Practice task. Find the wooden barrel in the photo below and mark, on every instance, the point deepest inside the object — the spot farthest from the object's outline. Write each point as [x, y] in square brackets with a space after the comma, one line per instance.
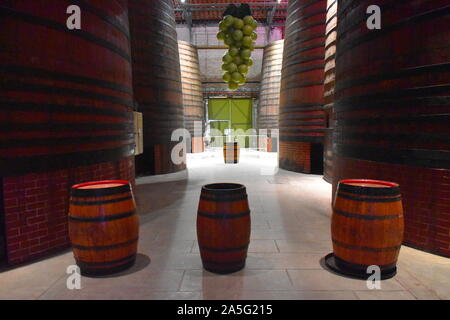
[103, 226]
[329, 84]
[367, 225]
[194, 109]
[302, 119]
[269, 97]
[231, 152]
[156, 82]
[392, 109]
[223, 227]
[58, 111]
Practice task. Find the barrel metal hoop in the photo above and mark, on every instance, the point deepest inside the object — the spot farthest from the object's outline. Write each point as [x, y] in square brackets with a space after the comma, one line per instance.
[111, 217]
[367, 217]
[94, 193]
[346, 196]
[369, 191]
[82, 263]
[223, 215]
[364, 248]
[100, 202]
[225, 249]
[108, 247]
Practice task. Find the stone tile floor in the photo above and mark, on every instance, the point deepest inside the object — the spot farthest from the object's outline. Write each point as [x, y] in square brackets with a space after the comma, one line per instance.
[290, 234]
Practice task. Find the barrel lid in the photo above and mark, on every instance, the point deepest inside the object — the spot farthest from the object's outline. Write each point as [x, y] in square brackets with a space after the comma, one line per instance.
[369, 187]
[100, 188]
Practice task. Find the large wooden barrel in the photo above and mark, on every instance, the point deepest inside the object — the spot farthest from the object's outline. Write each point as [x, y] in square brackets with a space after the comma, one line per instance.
[329, 84]
[194, 108]
[302, 119]
[269, 96]
[65, 95]
[392, 109]
[223, 227]
[156, 82]
[367, 225]
[231, 152]
[103, 226]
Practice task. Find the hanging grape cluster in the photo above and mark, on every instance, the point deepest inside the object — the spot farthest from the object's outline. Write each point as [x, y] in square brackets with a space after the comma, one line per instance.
[239, 36]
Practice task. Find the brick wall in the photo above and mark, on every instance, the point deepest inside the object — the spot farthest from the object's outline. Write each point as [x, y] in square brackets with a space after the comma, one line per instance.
[295, 156]
[425, 194]
[36, 207]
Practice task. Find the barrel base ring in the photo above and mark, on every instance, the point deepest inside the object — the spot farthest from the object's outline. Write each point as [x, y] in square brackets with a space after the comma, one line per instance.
[98, 272]
[226, 270]
[331, 262]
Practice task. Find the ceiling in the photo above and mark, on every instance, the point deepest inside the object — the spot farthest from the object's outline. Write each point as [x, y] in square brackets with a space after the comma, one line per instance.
[211, 11]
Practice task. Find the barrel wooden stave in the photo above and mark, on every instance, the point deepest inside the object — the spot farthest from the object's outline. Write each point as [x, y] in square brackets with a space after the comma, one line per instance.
[57, 108]
[104, 229]
[367, 226]
[223, 229]
[302, 119]
[156, 82]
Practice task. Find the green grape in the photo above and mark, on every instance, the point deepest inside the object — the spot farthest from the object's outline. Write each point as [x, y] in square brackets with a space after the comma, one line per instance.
[238, 60]
[231, 67]
[237, 35]
[227, 58]
[232, 85]
[227, 77]
[233, 51]
[247, 41]
[236, 77]
[249, 62]
[243, 69]
[242, 82]
[249, 20]
[222, 26]
[254, 36]
[229, 42]
[254, 24]
[228, 20]
[225, 67]
[238, 23]
[238, 44]
[246, 53]
[251, 47]
[221, 35]
[247, 30]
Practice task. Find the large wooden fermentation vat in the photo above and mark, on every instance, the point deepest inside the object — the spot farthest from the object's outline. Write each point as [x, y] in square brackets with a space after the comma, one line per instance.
[302, 119]
[194, 108]
[269, 99]
[56, 110]
[156, 83]
[329, 84]
[393, 112]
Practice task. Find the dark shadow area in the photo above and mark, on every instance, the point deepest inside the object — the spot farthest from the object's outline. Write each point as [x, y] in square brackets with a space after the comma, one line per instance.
[317, 158]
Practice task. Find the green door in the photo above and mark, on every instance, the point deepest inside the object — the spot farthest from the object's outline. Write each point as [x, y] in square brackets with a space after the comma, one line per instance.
[235, 114]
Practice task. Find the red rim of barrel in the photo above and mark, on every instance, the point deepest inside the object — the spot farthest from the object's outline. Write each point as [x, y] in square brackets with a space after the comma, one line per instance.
[369, 181]
[108, 191]
[96, 183]
[379, 188]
